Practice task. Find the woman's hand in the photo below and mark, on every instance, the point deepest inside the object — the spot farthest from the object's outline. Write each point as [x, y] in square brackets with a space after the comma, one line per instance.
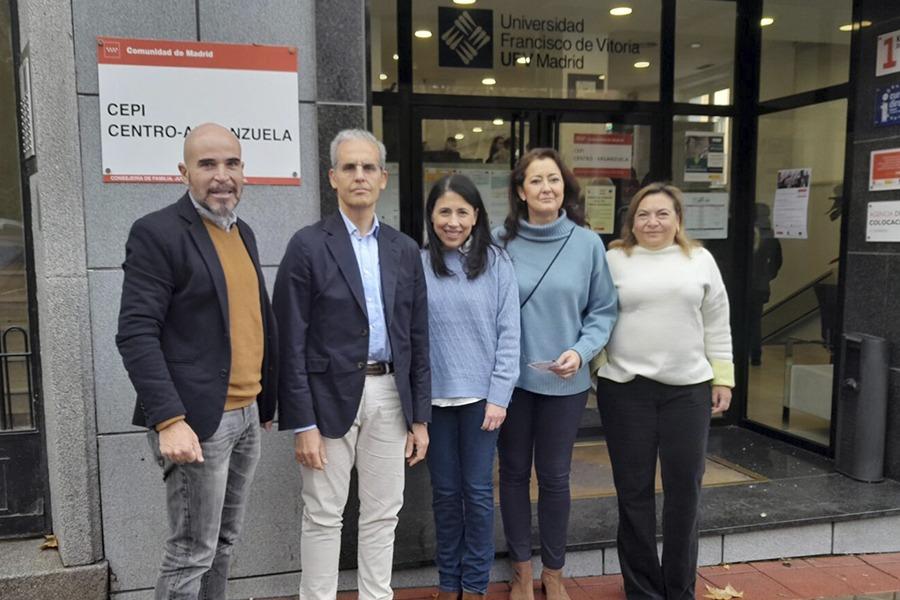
[567, 364]
[493, 417]
[721, 399]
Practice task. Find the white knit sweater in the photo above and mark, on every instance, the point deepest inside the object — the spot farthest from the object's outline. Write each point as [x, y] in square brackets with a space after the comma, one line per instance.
[673, 324]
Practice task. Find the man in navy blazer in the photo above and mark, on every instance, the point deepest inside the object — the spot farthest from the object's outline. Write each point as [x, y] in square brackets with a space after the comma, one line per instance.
[198, 339]
[355, 383]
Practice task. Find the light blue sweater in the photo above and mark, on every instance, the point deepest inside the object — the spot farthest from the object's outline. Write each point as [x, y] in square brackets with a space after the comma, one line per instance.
[574, 307]
[473, 328]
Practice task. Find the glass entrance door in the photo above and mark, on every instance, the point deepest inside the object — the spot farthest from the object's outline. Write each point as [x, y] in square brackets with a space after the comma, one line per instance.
[482, 147]
[611, 160]
[23, 483]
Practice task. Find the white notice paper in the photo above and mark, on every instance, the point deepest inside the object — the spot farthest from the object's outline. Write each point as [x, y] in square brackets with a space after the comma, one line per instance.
[706, 215]
[153, 91]
[600, 207]
[883, 222]
[791, 203]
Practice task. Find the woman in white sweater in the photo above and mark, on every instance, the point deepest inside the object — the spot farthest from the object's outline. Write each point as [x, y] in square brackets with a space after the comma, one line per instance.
[669, 365]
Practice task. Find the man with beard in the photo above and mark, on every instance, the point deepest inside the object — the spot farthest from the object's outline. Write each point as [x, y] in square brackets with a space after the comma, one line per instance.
[197, 337]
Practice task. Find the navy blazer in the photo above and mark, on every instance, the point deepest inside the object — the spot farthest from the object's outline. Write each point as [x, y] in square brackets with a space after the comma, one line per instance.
[173, 322]
[324, 328]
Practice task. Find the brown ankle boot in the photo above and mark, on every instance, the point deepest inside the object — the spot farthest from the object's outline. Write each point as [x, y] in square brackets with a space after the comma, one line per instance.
[471, 596]
[552, 584]
[522, 585]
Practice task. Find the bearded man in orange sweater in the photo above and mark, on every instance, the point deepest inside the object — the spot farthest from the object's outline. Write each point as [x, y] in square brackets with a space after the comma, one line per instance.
[197, 336]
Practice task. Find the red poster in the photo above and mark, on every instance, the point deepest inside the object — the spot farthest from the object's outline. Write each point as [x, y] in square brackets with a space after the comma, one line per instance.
[884, 170]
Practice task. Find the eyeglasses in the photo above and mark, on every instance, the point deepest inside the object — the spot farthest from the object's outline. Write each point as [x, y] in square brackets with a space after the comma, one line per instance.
[349, 169]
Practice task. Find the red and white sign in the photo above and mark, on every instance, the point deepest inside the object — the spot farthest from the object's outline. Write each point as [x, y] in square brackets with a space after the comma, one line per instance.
[152, 92]
[884, 170]
[888, 53]
[602, 155]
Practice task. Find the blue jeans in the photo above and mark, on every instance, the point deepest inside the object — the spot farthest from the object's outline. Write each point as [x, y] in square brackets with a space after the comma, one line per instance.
[461, 463]
[205, 503]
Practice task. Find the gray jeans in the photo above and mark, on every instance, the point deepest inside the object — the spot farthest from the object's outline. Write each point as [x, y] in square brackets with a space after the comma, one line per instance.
[205, 502]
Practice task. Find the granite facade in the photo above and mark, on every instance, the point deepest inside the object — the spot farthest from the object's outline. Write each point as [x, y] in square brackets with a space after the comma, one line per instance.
[97, 460]
[871, 303]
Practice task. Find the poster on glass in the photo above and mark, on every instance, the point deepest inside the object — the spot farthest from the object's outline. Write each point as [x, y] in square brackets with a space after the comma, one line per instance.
[792, 203]
[704, 157]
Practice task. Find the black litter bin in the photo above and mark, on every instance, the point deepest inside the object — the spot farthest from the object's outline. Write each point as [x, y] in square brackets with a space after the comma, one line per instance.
[862, 407]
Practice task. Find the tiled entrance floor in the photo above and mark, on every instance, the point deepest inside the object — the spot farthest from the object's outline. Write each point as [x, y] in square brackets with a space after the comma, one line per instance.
[860, 577]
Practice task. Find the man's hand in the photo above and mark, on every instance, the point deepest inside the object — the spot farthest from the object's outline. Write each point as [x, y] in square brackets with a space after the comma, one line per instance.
[267, 425]
[567, 364]
[416, 443]
[493, 417]
[309, 449]
[179, 444]
[721, 399]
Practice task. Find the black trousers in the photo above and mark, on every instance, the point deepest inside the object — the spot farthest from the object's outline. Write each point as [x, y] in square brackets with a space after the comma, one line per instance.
[543, 429]
[643, 420]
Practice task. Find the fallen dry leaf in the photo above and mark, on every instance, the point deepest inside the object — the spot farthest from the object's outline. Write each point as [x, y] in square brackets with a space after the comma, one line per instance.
[726, 593]
[50, 541]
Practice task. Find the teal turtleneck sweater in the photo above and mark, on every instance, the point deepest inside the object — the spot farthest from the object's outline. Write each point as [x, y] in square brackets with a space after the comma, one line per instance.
[574, 307]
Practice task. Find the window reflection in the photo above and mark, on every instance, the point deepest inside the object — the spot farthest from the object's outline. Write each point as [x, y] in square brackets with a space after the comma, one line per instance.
[15, 391]
[794, 278]
[480, 149]
[383, 51]
[805, 47]
[704, 51]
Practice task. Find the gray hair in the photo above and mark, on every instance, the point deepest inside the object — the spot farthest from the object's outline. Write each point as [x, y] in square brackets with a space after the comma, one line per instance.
[346, 135]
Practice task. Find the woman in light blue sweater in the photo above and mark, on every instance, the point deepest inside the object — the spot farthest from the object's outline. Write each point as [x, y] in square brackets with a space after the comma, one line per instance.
[568, 305]
[473, 323]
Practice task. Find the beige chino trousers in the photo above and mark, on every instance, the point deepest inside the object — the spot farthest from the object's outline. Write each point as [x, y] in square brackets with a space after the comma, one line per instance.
[375, 445]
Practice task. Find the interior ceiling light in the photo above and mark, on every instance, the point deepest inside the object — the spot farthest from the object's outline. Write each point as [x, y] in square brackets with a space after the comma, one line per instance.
[766, 21]
[642, 64]
[458, 136]
[488, 81]
[382, 77]
[477, 130]
[854, 26]
[620, 11]
[422, 34]
[497, 121]
[696, 45]
[524, 60]
[396, 57]
[464, 2]
[601, 77]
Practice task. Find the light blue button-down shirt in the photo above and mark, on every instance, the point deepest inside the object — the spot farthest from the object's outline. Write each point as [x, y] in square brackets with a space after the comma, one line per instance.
[365, 247]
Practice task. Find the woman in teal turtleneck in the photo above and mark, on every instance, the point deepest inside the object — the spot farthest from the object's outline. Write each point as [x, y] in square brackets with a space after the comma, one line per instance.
[568, 308]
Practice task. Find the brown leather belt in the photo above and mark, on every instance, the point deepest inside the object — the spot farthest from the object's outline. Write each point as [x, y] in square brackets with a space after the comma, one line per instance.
[379, 368]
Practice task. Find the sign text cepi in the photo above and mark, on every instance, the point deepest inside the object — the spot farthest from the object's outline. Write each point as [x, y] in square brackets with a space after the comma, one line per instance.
[164, 130]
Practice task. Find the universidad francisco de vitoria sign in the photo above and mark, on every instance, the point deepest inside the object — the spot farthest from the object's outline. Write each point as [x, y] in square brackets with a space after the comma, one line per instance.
[152, 92]
[471, 38]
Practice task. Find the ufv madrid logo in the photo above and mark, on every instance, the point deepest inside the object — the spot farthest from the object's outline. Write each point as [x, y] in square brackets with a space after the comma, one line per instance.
[467, 37]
